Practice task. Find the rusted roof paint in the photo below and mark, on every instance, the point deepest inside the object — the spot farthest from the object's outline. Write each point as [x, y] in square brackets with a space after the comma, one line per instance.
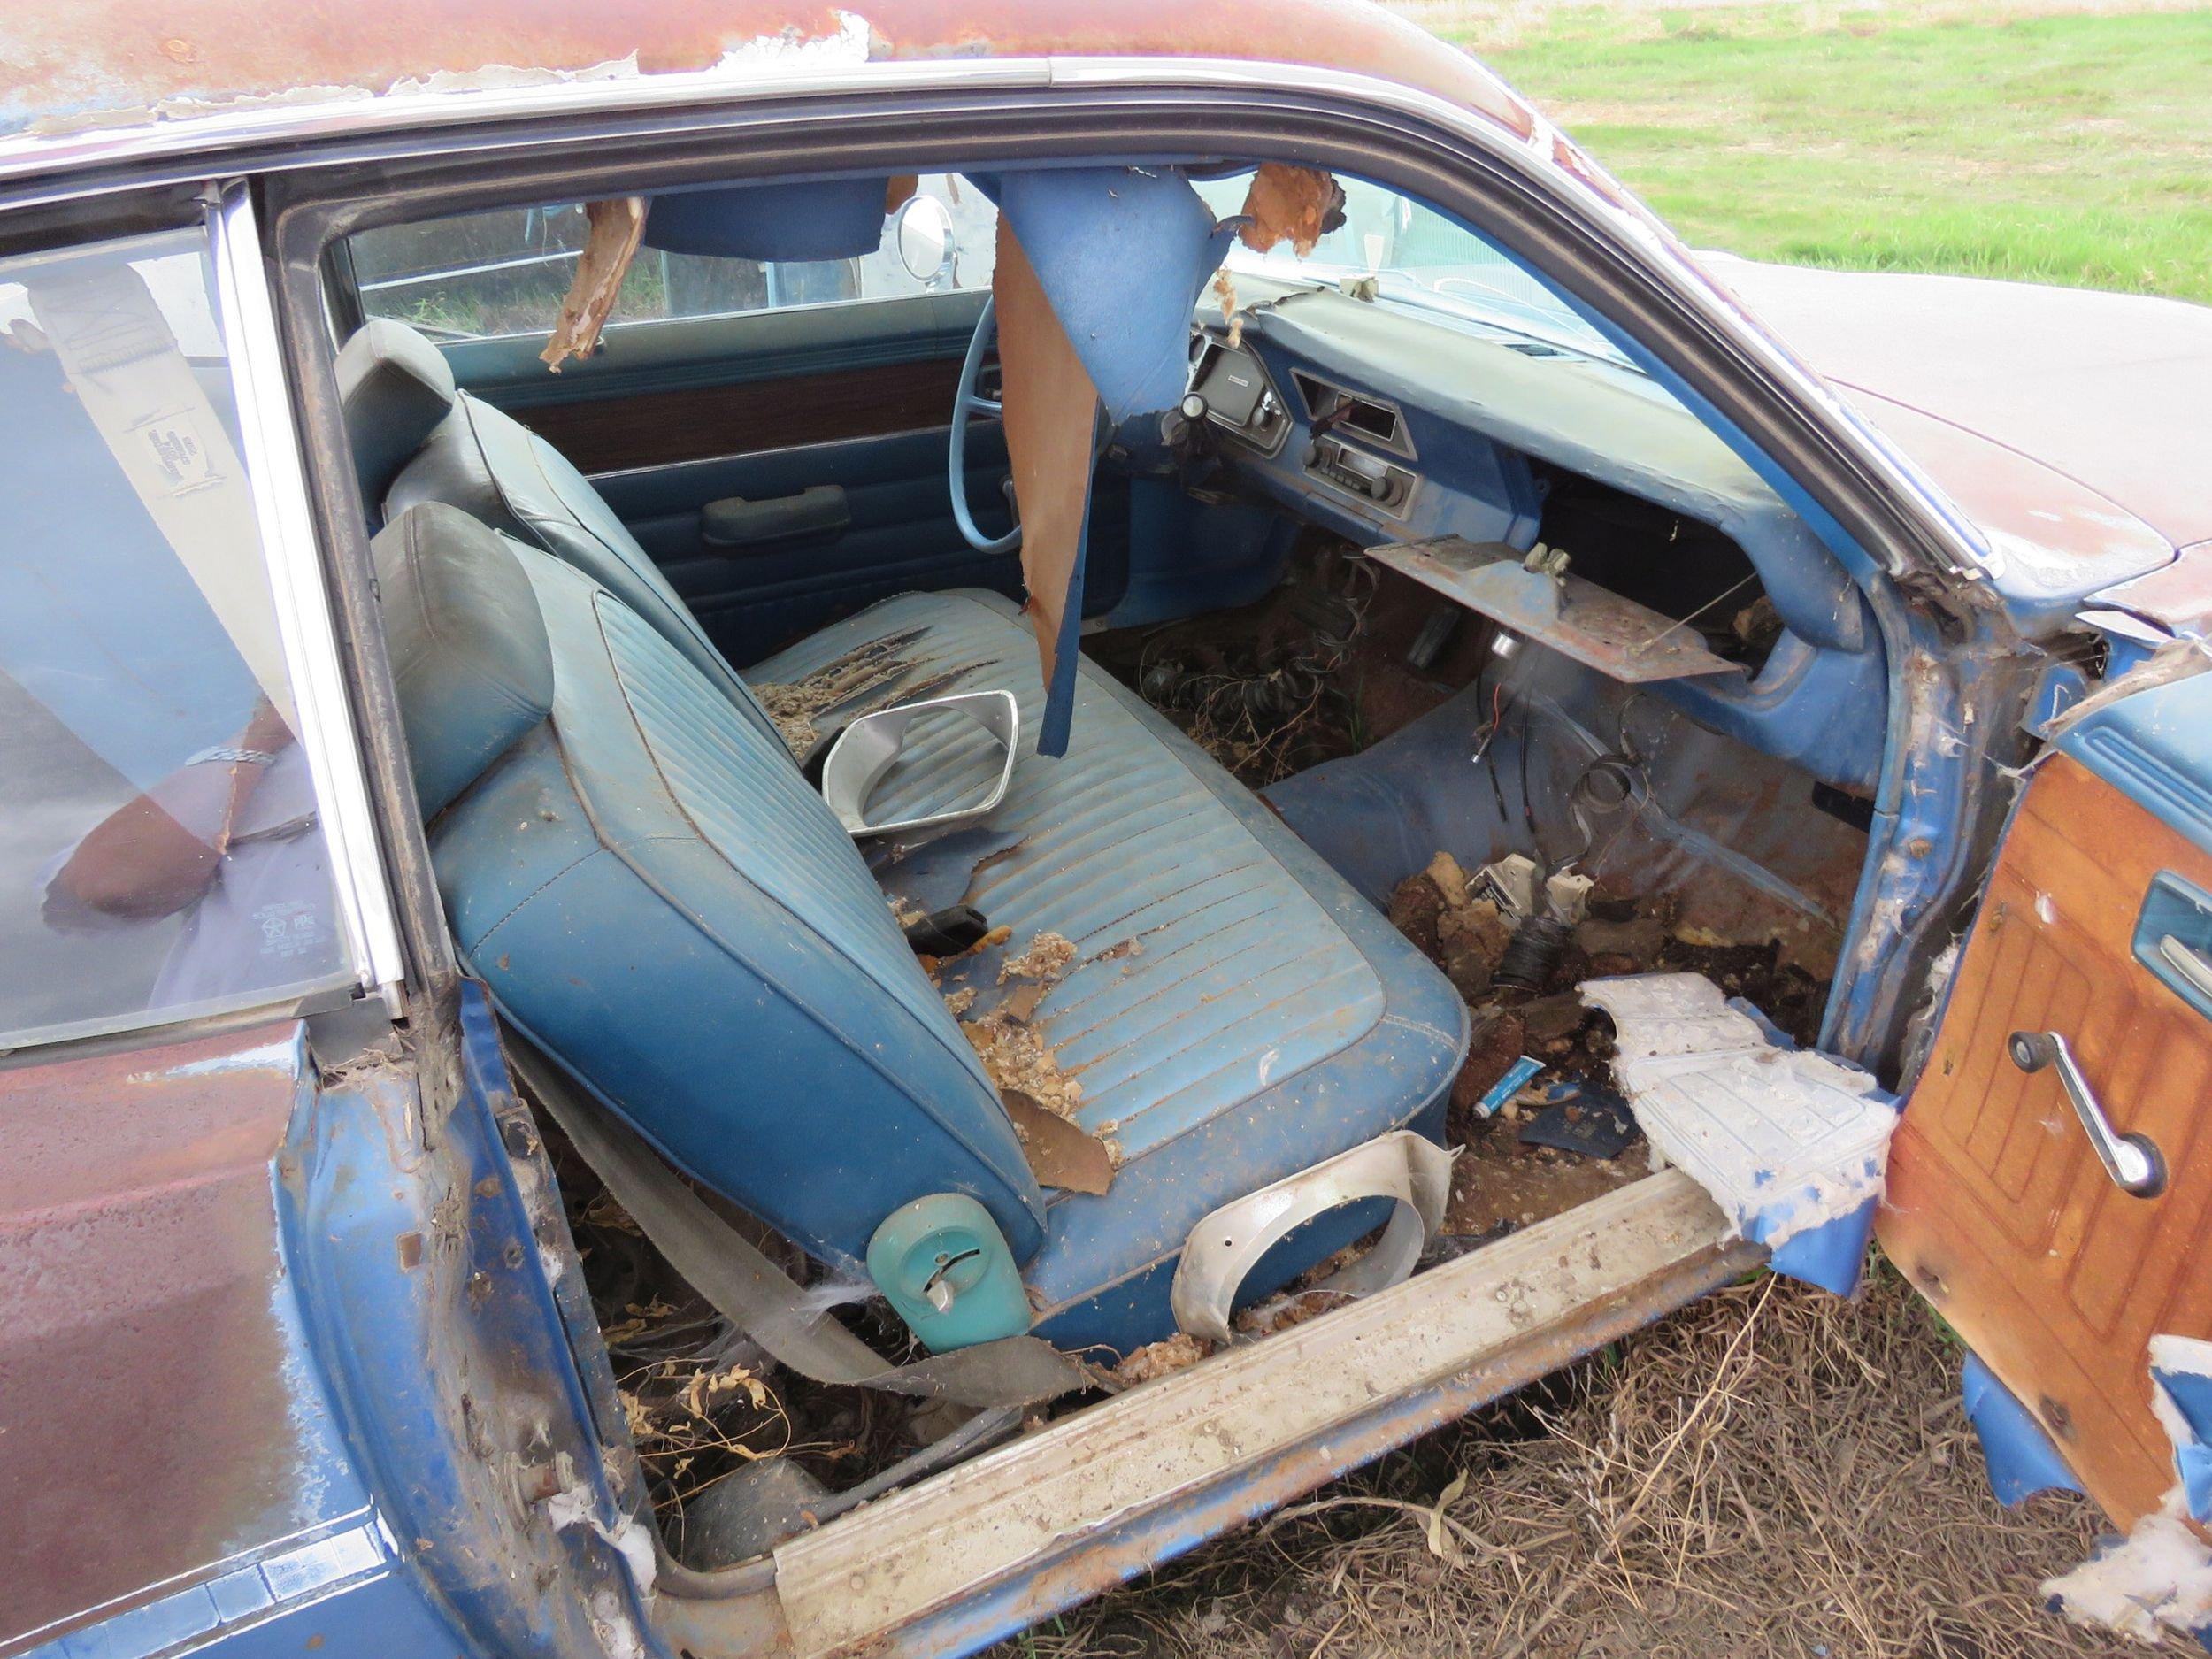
[107, 63]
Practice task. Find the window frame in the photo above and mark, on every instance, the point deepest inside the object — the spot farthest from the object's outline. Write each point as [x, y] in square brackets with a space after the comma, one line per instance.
[276, 476]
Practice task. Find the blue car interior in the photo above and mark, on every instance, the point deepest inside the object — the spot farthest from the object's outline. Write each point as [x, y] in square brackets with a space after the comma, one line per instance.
[637, 859]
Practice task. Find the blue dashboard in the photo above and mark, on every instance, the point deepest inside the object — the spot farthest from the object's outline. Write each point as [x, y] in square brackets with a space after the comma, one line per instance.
[1387, 425]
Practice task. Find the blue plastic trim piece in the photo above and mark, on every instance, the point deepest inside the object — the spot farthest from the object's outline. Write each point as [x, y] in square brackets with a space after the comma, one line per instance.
[2155, 748]
[1052, 737]
[2022, 1459]
[2188, 1395]
[1832, 1255]
[2179, 910]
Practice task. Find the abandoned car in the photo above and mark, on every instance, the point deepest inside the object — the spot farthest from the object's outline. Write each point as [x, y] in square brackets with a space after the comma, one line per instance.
[819, 822]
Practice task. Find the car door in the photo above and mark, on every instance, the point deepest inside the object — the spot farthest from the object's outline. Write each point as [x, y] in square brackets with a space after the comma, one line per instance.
[2096, 930]
[822, 387]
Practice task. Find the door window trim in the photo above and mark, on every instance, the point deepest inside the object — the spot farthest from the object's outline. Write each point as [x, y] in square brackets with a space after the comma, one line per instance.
[277, 479]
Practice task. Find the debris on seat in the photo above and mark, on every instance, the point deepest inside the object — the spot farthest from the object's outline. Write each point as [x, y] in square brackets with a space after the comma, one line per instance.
[1046, 959]
[1021, 1064]
[864, 672]
[1061, 1153]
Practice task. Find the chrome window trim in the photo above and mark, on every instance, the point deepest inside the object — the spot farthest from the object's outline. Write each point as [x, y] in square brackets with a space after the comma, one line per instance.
[277, 479]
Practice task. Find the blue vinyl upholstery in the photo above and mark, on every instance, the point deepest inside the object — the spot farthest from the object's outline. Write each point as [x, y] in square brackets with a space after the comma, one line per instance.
[654, 894]
[652, 891]
[1234, 1012]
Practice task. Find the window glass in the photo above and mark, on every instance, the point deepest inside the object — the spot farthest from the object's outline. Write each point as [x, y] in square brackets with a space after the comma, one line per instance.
[159, 849]
[1419, 258]
[504, 272]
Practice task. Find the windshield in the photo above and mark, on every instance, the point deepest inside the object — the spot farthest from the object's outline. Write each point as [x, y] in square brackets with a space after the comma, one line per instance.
[1420, 259]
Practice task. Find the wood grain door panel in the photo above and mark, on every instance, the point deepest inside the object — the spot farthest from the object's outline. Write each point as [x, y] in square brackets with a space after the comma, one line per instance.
[654, 428]
[1997, 1206]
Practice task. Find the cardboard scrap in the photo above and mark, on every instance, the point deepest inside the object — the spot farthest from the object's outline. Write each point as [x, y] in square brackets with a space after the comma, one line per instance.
[1061, 1154]
[1050, 420]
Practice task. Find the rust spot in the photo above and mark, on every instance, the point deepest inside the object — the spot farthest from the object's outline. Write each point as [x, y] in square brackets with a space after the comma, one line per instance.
[410, 1251]
[139, 1270]
[95, 56]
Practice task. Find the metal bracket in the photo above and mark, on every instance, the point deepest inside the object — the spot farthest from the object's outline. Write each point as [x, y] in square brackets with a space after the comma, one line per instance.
[1228, 1242]
[2132, 1160]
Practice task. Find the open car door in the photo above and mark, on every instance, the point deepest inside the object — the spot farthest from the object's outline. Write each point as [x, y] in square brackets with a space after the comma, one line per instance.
[2092, 954]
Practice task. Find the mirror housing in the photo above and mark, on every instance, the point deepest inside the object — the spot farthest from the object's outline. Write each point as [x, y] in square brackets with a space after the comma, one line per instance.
[923, 230]
[866, 748]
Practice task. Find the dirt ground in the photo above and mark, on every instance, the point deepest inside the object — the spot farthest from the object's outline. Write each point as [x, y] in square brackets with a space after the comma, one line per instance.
[1771, 1471]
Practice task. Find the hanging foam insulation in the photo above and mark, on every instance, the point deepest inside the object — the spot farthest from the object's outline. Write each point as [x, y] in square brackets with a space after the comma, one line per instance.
[617, 225]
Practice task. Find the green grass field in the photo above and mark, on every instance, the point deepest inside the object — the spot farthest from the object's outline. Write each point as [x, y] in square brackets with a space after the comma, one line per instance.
[2070, 148]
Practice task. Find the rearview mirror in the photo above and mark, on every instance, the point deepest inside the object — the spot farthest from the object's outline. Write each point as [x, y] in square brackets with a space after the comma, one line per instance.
[868, 748]
[923, 228]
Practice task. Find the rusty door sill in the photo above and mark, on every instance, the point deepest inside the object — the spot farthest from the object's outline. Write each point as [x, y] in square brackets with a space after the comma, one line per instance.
[1067, 1512]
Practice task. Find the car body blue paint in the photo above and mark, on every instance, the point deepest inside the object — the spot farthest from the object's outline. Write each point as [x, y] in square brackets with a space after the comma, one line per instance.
[436, 1324]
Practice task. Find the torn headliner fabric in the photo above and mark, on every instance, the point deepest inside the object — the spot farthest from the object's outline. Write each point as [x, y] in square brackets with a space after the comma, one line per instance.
[1122, 253]
[1050, 417]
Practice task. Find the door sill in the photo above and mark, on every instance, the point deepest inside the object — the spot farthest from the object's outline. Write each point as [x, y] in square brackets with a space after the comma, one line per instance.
[1014, 1536]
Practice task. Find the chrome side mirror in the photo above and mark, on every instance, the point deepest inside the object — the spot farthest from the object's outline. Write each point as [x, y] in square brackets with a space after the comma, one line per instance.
[923, 230]
[867, 749]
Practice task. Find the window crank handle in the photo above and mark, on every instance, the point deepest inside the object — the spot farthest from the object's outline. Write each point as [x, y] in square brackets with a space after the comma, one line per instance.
[2132, 1160]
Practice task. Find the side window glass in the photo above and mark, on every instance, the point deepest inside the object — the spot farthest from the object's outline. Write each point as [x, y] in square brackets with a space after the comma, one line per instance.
[160, 852]
[490, 275]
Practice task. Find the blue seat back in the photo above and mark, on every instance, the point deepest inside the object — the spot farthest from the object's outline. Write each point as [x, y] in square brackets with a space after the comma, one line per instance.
[655, 895]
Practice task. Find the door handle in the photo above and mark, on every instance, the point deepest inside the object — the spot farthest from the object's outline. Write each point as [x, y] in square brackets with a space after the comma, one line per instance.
[2190, 963]
[2132, 1160]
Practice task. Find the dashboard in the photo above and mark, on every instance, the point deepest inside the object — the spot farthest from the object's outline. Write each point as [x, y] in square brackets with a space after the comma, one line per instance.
[1436, 448]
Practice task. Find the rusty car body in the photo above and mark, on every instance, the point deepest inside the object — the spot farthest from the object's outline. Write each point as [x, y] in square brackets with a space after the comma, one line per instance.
[303, 1115]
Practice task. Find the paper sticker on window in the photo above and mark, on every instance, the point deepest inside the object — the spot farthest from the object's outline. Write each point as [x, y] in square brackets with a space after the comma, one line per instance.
[179, 454]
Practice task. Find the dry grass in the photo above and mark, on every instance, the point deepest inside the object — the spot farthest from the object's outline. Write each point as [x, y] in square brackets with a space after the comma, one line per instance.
[1770, 1471]
[1494, 25]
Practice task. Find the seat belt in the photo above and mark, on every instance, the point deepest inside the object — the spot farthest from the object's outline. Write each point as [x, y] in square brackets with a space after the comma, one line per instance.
[134, 380]
[755, 1294]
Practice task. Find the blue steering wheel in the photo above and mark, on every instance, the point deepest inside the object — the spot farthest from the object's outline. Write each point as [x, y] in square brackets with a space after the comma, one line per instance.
[966, 405]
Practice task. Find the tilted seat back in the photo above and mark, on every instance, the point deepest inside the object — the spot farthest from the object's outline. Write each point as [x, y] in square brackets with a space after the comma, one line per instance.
[656, 895]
